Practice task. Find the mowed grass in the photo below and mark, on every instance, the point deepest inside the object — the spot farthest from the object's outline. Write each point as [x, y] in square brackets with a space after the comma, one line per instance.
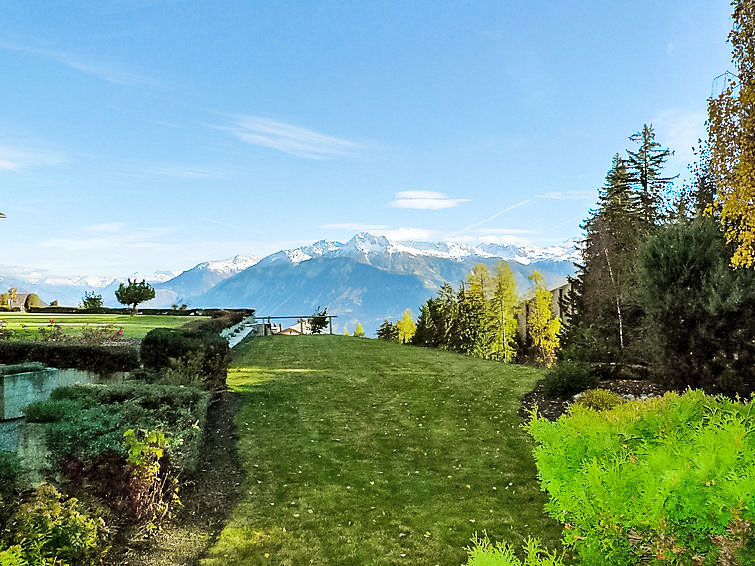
[27, 325]
[363, 452]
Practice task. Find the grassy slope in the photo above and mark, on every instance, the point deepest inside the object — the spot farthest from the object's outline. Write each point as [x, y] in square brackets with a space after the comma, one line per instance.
[26, 324]
[362, 452]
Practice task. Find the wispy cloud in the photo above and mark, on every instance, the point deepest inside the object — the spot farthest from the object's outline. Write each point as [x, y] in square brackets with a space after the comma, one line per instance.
[567, 195]
[425, 200]
[505, 231]
[496, 215]
[356, 226]
[291, 139]
[106, 71]
[110, 238]
[13, 158]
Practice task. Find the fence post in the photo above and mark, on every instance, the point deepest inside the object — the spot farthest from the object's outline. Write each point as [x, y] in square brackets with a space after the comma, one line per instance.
[330, 322]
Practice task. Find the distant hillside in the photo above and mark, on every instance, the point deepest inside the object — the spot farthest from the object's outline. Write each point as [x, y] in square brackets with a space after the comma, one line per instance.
[367, 279]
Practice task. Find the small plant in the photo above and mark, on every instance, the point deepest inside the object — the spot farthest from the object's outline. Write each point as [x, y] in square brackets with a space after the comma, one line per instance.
[53, 332]
[152, 491]
[568, 378]
[599, 399]
[52, 530]
[5, 332]
[185, 371]
[100, 334]
[485, 553]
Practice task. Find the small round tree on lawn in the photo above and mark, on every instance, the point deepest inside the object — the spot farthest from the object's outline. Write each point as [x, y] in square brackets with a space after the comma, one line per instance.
[134, 293]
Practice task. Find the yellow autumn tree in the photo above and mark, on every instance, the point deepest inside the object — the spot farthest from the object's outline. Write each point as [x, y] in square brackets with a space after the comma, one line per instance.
[406, 327]
[731, 132]
[542, 324]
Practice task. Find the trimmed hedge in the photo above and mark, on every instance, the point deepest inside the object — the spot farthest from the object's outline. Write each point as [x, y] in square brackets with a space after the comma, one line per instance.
[162, 348]
[100, 359]
[87, 422]
[107, 310]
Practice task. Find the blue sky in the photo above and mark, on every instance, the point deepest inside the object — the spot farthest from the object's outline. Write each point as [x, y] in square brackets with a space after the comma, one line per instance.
[148, 135]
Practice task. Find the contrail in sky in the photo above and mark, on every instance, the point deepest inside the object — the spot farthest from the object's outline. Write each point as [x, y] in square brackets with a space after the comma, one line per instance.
[496, 215]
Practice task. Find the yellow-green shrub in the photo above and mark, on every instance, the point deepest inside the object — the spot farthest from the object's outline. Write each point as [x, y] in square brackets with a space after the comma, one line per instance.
[599, 399]
[659, 481]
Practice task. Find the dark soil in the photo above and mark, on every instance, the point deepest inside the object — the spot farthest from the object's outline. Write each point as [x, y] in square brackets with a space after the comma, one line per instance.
[551, 409]
[207, 500]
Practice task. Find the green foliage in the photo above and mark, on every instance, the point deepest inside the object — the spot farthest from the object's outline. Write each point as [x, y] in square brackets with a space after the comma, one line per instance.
[359, 331]
[101, 334]
[33, 301]
[134, 293]
[98, 358]
[568, 378]
[388, 331]
[164, 348]
[485, 553]
[5, 332]
[599, 399]
[152, 490]
[51, 410]
[96, 429]
[667, 480]
[91, 301]
[53, 332]
[318, 321]
[700, 313]
[185, 371]
[52, 530]
[12, 556]
[9, 472]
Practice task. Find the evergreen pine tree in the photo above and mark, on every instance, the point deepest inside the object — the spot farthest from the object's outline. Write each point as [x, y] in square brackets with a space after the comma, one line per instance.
[646, 169]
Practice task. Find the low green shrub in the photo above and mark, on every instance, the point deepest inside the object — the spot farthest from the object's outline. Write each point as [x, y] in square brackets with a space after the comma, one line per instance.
[485, 553]
[12, 556]
[568, 378]
[9, 472]
[93, 419]
[668, 480]
[50, 529]
[599, 399]
[50, 410]
[97, 358]
[162, 348]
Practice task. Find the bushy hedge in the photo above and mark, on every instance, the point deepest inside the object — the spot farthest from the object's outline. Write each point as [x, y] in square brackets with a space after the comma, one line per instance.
[568, 378]
[87, 422]
[163, 348]
[100, 359]
[663, 481]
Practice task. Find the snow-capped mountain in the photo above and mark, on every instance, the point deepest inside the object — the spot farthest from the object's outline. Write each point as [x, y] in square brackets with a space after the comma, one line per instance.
[367, 279]
[366, 245]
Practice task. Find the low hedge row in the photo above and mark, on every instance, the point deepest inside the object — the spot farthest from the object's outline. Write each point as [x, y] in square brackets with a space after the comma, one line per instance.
[164, 348]
[101, 359]
[164, 312]
[663, 481]
[86, 423]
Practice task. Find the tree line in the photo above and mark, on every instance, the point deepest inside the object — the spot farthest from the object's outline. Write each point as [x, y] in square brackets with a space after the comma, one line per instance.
[480, 318]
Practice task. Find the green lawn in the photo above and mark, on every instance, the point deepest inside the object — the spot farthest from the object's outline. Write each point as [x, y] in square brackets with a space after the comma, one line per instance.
[26, 325]
[363, 452]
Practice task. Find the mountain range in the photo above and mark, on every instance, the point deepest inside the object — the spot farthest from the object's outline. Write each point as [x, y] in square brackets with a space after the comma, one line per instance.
[367, 279]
